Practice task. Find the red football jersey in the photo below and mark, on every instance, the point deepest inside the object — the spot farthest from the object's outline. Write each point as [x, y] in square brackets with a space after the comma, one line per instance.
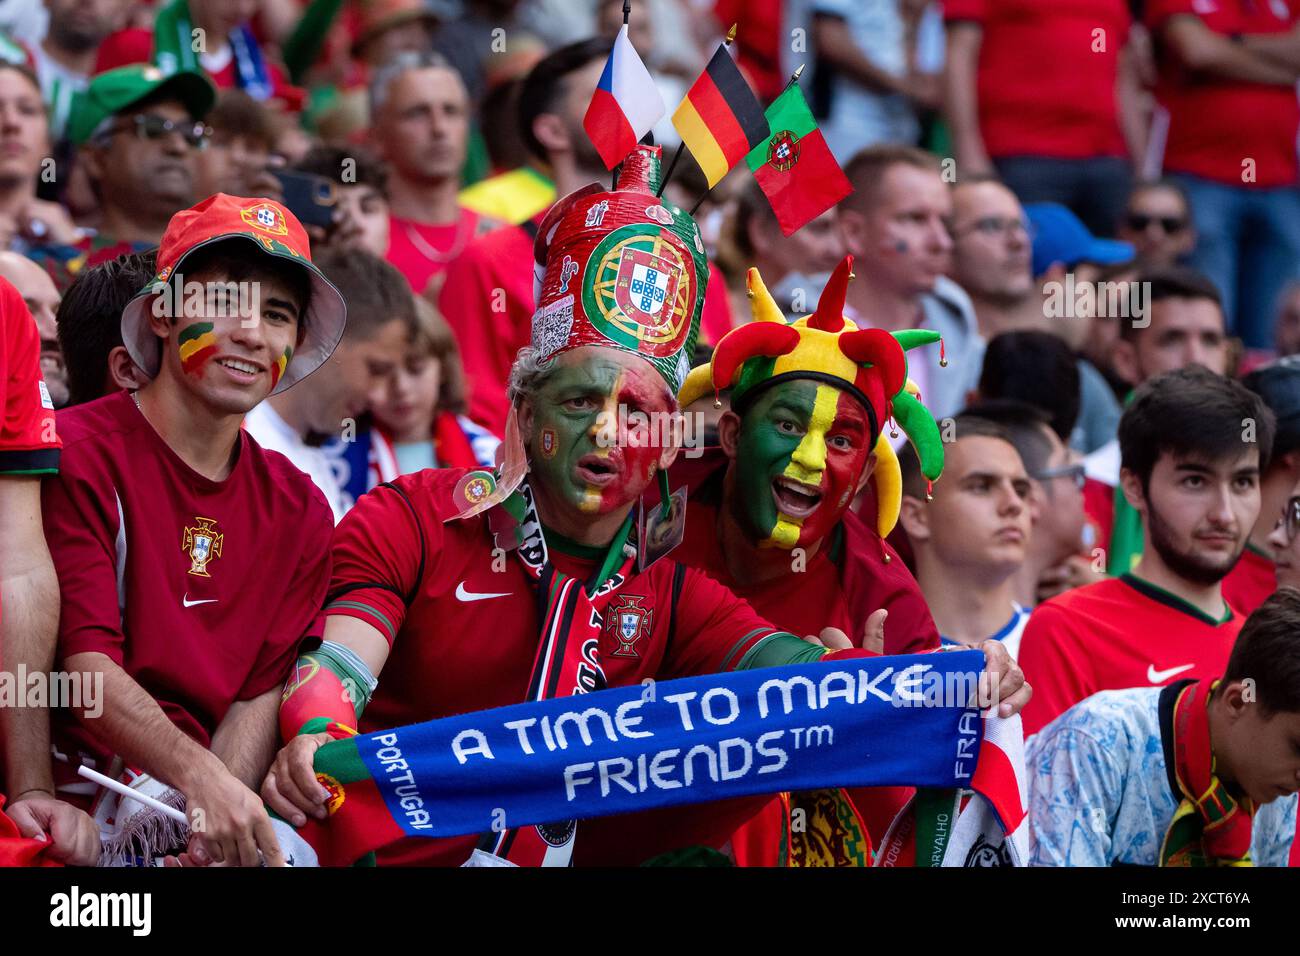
[841, 586]
[463, 622]
[1117, 633]
[1260, 120]
[1251, 581]
[29, 443]
[200, 590]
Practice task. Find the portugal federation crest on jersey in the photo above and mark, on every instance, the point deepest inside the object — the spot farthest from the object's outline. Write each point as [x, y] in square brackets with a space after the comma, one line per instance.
[626, 622]
[202, 542]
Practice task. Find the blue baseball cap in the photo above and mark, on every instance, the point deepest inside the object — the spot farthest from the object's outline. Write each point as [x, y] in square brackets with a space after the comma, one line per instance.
[1061, 236]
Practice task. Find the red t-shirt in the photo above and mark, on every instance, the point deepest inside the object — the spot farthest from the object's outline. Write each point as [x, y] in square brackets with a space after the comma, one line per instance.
[1046, 78]
[421, 251]
[29, 444]
[1118, 633]
[1250, 582]
[487, 299]
[841, 586]
[1214, 122]
[200, 590]
[464, 626]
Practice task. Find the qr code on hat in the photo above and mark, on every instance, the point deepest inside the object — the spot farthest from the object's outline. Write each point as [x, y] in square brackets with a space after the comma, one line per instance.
[552, 324]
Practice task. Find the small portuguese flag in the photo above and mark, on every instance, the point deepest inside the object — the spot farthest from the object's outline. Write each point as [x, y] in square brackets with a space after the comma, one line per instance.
[720, 120]
[794, 166]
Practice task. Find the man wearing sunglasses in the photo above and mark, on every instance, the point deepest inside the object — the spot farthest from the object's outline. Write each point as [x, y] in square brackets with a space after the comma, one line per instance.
[138, 133]
[1158, 222]
[1254, 577]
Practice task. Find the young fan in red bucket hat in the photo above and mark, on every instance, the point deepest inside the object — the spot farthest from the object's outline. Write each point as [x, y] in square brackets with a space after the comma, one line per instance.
[191, 561]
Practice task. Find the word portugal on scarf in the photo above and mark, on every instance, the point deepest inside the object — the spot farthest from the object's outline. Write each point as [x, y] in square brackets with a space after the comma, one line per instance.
[868, 722]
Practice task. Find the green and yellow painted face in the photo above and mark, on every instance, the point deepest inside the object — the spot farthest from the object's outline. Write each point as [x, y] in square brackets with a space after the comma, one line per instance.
[802, 449]
[597, 432]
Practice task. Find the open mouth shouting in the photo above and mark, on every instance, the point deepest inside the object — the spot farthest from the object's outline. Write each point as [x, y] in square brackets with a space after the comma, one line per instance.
[597, 470]
[794, 498]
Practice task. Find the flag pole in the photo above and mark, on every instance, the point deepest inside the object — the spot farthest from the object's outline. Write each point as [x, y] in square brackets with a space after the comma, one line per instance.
[613, 173]
[663, 184]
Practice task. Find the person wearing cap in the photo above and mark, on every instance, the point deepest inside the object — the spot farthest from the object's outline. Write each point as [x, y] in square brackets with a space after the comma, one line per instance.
[191, 561]
[139, 133]
[423, 605]
[1182, 325]
[1254, 577]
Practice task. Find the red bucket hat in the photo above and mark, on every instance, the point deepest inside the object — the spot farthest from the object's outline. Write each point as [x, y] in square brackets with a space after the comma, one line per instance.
[270, 229]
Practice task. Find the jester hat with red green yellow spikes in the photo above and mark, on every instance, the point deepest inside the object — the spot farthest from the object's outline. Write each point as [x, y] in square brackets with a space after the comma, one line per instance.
[869, 364]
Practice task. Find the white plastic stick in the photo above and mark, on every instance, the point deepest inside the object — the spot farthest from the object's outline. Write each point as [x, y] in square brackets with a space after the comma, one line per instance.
[129, 794]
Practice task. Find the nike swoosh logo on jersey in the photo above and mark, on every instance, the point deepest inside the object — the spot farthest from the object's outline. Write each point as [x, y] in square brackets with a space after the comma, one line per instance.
[188, 603]
[1159, 677]
[463, 595]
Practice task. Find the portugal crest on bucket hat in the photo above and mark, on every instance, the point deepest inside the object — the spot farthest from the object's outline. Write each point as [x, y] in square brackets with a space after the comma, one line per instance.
[622, 269]
[259, 227]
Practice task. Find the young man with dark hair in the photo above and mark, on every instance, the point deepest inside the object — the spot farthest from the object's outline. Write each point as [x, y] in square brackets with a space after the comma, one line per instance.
[1036, 368]
[164, 520]
[970, 533]
[1201, 772]
[90, 326]
[1254, 577]
[1055, 556]
[360, 181]
[298, 424]
[240, 154]
[1194, 445]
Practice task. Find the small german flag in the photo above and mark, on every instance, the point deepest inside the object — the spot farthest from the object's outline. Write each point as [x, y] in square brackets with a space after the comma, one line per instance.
[720, 120]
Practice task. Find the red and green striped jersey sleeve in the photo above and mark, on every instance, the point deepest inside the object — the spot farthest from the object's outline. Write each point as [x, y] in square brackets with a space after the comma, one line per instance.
[377, 551]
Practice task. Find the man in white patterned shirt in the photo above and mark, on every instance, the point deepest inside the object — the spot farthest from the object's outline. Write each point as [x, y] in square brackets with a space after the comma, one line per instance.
[1108, 785]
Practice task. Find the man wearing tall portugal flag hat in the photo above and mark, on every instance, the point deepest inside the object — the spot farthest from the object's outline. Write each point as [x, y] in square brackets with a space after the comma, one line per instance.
[472, 590]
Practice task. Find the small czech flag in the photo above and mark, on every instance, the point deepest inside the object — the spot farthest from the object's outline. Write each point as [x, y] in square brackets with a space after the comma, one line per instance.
[626, 104]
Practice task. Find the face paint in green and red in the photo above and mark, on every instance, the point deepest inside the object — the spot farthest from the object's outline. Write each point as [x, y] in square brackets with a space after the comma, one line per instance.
[588, 448]
[801, 452]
